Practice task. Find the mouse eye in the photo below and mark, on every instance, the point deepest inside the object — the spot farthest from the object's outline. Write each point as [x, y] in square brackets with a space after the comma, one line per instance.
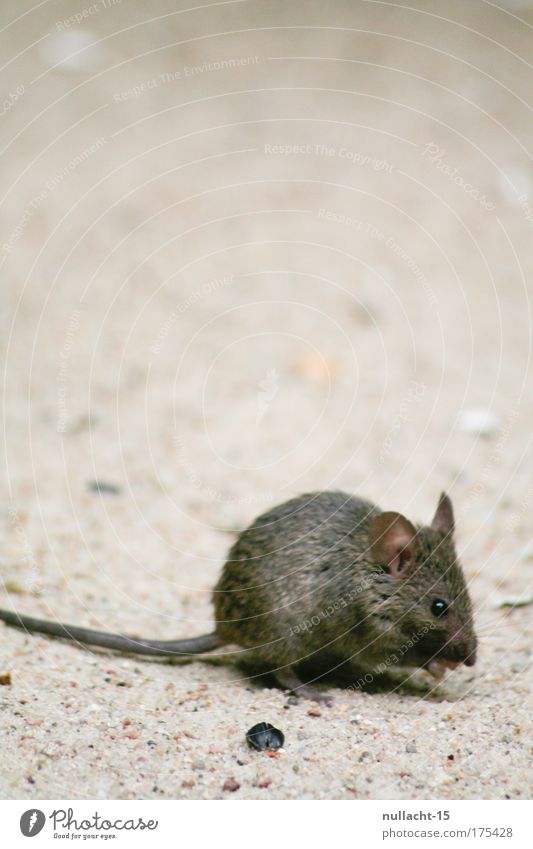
[439, 607]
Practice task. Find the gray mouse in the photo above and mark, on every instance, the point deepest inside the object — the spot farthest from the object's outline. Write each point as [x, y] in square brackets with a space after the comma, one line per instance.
[324, 580]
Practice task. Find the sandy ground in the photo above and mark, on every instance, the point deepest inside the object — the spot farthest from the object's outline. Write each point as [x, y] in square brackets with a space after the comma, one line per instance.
[248, 251]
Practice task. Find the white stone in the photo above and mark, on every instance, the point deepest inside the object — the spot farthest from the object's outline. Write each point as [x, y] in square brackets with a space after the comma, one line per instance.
[67, 51]
[477, 422]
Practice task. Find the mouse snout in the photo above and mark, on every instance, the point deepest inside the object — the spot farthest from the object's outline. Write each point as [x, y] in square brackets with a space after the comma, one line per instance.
[470, 658]
[464, 647]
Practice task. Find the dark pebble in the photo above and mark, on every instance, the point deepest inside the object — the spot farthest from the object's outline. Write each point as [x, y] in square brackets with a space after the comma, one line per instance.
[102, 486]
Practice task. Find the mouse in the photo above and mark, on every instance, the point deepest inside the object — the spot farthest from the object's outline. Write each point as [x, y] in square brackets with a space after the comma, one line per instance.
[324, 580]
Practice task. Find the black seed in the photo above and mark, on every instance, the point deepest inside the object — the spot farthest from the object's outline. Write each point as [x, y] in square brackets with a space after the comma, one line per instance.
[265, 736]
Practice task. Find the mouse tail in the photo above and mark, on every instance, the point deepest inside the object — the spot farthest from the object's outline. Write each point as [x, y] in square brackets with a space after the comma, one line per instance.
[115, 642]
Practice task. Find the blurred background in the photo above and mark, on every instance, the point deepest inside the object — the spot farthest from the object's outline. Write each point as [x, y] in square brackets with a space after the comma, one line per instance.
[250, 249]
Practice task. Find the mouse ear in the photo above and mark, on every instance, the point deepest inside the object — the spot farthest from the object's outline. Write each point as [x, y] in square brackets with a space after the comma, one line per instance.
[393, 543]
[443, 519]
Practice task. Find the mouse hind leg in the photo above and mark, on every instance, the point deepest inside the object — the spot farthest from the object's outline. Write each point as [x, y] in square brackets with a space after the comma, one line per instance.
[287, 678]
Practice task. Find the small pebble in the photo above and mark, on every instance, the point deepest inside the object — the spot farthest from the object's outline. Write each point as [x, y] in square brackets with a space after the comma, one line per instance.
[411, 748]
[198, 765]
[14, 587]
[316, 367]
[293, 700]
[477, 422]
[104, 487]
[230, 785]
[5, 679]
[74, 50]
